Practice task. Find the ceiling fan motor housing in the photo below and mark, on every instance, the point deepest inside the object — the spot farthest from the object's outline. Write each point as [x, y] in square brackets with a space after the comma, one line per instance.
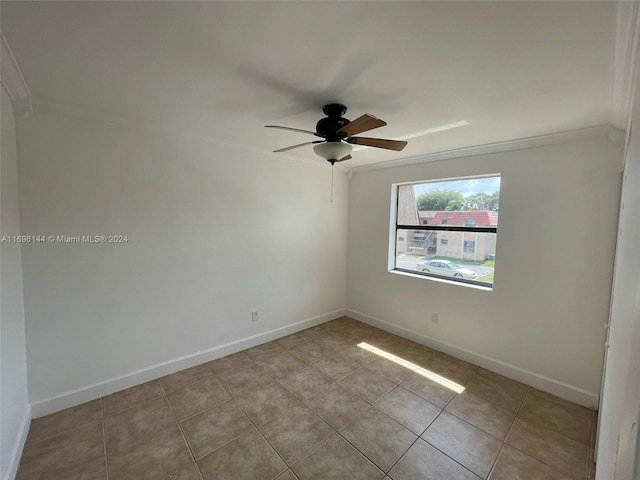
[327, 127]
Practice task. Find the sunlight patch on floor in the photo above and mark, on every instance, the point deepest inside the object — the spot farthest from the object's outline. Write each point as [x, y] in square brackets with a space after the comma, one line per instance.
[439, 379]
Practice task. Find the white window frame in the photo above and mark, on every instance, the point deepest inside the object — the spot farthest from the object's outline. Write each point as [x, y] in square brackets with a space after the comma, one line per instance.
[393, 227]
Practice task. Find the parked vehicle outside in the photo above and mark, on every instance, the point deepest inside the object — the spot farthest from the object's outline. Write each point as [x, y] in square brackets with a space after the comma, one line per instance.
[446, 268]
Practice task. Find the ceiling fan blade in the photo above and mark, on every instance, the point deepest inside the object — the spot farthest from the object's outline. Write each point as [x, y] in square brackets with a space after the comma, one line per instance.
[362, 124]
[286, 149]
[348, 157]
[378, 143]
[293, 129]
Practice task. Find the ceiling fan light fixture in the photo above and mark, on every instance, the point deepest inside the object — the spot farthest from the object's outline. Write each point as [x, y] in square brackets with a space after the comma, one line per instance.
[332, 151]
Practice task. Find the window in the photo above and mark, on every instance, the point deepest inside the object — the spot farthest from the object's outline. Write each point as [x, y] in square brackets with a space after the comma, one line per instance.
[459, 242]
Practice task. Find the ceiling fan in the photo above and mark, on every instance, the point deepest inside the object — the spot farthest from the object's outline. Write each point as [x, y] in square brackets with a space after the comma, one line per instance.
[338, 134]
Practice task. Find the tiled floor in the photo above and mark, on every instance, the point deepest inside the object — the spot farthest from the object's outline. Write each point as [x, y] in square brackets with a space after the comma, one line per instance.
[339, 401]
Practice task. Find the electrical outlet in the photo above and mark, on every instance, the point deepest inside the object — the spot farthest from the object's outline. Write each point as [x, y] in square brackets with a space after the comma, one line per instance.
[434, 317]
[254, 316]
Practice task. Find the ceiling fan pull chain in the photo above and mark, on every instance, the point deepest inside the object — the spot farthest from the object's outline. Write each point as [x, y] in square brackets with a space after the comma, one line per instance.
[332, 183]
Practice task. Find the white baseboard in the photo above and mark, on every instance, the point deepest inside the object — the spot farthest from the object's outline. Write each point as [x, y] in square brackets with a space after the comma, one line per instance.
[137, 377]
[18, 446]
[541, 382]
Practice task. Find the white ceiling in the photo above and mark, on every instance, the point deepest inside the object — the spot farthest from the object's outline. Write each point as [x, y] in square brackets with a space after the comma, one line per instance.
[222, 70]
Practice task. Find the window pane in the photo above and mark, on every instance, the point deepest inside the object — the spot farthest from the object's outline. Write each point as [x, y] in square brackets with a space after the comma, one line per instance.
[407, 207]
[466, 255]
[470, 202]
[463, 205]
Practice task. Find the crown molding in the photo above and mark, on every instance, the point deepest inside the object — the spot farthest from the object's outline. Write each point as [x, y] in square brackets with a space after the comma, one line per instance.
[13, 80]
[602, 131]
[626, 34]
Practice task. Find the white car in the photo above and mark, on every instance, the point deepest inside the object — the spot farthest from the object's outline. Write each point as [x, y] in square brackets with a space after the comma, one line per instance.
[446, 268]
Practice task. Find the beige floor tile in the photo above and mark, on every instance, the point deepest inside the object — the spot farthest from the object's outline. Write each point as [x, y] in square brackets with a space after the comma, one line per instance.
[292, 341]
[429, 389]
[264, 350]
[295, 434]
[335, 459]
[244, 380]
[574, 408]
[407, 408]
[551, 439]
[137, 424]
[390, 369]
[366, 384]
[248, 457]
[331, 340]
[383, 340]
[64, 420]
[354, 336]
[318, 328]
[411, 352]
[336, 405]
[359, 355]
[552, 448]
[515, 465]
[213, 428]
[192, 472]
[308, 351]
[424, 462]
[557, 417]
[267, 402]
[355, 329]
[486, 415]
[452, 368]
[131, 396]
[333, 364]
[381, 439]
[304, 383]
[157, 458]
[497, 389]
[197, 397]
[288, 475]
[229, 363]
[179, 380]
[75, 454]
[466, 444]
[280, 363]
[144, 441]
[309, 333]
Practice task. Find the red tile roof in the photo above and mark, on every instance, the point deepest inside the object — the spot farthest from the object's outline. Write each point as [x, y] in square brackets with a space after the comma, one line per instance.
[483, 218]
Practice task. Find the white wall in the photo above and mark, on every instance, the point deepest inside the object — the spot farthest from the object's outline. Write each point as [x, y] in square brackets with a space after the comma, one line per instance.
[620, 413]
[543, 321]
[15, 411]
[213, 233]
